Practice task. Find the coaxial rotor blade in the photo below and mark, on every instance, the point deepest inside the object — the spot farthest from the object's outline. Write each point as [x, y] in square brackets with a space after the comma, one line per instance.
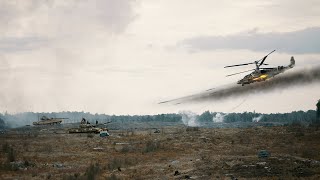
[264, 58]
[239, 65]
[267, 68]
[240, 72]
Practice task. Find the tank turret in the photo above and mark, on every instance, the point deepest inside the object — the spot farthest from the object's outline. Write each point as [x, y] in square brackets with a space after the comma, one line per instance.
[44, 120]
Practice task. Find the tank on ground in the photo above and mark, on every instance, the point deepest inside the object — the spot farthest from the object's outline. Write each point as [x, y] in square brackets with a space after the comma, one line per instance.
[86, 127]
[48, 121]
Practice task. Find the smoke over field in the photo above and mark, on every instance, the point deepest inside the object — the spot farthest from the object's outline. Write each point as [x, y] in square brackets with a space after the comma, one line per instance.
[218, 118]
[257, 119]
[189, 118]
[283, 81]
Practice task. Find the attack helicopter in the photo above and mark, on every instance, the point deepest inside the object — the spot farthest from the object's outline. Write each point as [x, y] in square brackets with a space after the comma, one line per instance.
[261, 73]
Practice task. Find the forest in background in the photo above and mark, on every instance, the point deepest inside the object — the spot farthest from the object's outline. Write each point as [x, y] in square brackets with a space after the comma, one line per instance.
[26, 118]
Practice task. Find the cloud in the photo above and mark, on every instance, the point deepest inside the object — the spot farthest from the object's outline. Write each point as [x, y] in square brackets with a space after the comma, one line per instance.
[298, 42]
[27, 24]
[47, 47]
[14, 44]
[114, 15]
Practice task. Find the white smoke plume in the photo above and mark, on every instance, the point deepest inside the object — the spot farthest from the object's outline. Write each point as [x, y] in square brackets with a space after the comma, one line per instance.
[219, 117]
[189, 118]
[257, 119]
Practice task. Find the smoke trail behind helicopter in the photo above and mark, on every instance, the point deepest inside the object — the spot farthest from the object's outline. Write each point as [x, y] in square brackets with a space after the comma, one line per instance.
[283, 81]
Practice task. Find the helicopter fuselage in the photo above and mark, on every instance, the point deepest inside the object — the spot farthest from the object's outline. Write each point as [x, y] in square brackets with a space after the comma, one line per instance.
[263, 74]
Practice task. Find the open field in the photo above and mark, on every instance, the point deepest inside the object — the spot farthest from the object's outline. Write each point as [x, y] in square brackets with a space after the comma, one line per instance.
[177, 152]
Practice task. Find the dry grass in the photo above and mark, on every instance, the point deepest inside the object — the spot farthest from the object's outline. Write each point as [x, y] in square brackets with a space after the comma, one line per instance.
[141, 154]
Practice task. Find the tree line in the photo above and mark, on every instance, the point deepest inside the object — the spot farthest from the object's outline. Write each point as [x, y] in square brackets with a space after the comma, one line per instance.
[295, 116]
[26, 118]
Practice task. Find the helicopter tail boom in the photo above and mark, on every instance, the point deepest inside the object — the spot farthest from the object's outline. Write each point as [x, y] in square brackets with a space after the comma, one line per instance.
[292, 62]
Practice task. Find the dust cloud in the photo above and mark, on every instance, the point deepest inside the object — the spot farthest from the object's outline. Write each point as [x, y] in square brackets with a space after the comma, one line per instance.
[189, 118]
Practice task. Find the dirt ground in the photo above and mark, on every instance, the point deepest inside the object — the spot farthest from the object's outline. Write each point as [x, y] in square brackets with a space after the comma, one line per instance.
[173, 153]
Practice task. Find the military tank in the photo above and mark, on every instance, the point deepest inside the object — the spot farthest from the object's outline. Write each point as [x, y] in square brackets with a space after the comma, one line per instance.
[86, 127]
[44, 120]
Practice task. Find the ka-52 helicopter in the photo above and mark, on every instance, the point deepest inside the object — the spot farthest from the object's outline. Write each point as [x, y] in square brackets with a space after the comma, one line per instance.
[261, 73]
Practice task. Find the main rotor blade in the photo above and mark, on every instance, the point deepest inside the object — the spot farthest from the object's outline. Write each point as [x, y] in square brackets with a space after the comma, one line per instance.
[239, 65]
[264, 58]
[240, 72]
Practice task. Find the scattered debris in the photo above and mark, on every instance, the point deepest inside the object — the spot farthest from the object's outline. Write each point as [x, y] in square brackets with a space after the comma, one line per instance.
[187, 177]
[121, 143]
[98, 149]
[231, 176]
[104, 133]
[177, 173]
[21, 164]
[204, 139]
[58, 165]
[263, 154]
[175, 162]
[261, 163]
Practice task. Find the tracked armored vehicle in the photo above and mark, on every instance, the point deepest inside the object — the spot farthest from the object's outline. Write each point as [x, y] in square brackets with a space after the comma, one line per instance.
[86, 127]
[48, 121]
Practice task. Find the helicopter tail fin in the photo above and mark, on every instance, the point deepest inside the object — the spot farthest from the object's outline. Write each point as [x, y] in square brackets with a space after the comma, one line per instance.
[292, 62]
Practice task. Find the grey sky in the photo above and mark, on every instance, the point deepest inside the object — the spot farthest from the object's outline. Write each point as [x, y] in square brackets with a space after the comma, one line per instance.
[14, 44]
[297, 42]
[121, 56]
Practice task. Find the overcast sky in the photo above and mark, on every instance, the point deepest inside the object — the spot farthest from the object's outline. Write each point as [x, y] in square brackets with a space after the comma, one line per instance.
[125, 56]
